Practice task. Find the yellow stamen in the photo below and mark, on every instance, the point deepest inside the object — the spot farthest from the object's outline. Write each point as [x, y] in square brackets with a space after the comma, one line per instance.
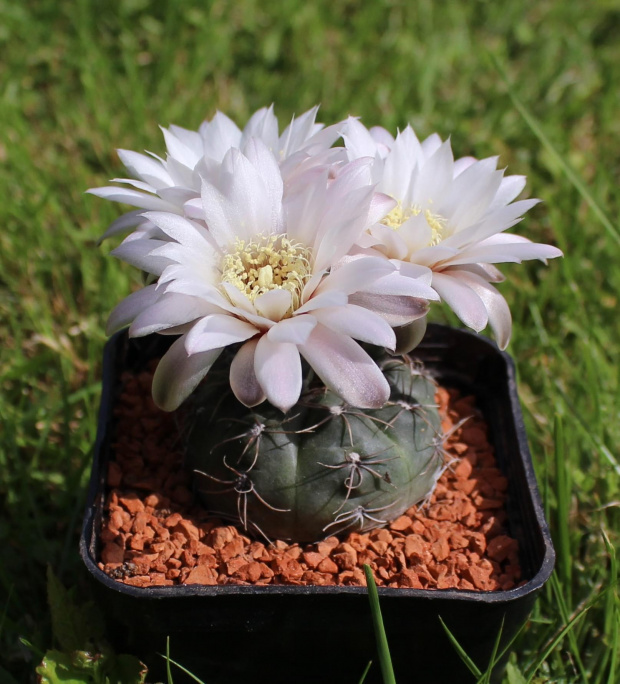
[267, 263]
[398, 216]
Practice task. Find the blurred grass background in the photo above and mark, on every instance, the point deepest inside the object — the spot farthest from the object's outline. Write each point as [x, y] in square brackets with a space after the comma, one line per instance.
[80, 78]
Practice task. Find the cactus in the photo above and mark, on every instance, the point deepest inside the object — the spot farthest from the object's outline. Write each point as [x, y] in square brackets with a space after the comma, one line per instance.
[324, 467]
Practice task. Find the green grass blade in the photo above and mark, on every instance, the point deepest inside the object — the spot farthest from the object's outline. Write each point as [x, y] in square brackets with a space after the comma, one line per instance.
[612, 613]
[168, 671]
[556, 587]
[563, 491]
[554, 641]
[471, 666]
[183, 669]
[385, 660]
[486, 677]
[365, 672]
[569, 172]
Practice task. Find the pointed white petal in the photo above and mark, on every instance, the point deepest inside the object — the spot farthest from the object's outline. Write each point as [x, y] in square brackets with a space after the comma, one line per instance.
[220, 217]
[140, 185]
[408, 337]
[357, 140]
[356, 274]
[380, 207]
[188, 233]
[184, 153]
[190, 139]
[392, 243]
[431, 144]
[264, 125]
[219, 135]
[217, 331]
[179, 196]
[121, 224]
[507, 252]
[278, 369]
[395, 310]
[267, 167]
[238, 298]
[358, 323]
[296, 133]
[405, 155]
[458, 295]
[178, 374]
[295, 330]
[500, 319]
[493, 223]
[136, 250]
[332, 298]
[146, 168]
[273, 304]
[170, 311]
[400, 284]
[436, 177]
[243, 380]
[346, 368]
[125, 312]
[134, 198]
[384, 140]
[509, 189]
[463, 163]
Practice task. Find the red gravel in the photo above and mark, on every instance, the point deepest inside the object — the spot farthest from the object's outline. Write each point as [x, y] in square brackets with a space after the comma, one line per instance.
[154, 534]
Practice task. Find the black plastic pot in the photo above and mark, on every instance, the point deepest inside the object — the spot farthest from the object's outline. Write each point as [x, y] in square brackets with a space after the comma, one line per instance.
[283, 634]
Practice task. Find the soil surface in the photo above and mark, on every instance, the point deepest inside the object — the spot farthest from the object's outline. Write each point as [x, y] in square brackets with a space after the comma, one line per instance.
[155, 534]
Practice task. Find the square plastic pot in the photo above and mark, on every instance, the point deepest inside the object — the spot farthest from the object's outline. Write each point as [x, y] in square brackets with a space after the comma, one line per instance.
[283, 634]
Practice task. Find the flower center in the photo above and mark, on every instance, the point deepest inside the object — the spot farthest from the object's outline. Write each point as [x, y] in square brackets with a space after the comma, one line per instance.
[398, 216]
[267, 263]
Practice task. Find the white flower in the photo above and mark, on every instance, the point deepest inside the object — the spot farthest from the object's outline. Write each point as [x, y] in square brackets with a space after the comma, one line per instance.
[272, 274]
[167, 184]
[449, 216]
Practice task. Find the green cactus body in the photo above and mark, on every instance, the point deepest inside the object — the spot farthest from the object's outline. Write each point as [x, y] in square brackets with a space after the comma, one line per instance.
[323, 468]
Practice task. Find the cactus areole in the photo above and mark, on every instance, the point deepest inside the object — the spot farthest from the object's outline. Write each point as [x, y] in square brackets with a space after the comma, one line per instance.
[323, 467]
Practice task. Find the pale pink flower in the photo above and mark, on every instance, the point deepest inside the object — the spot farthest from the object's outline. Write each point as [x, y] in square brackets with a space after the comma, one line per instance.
[449, 216]
[159, 184]
[271, 274]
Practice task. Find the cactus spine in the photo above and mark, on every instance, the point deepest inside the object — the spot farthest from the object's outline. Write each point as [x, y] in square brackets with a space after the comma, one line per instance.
[323, 468]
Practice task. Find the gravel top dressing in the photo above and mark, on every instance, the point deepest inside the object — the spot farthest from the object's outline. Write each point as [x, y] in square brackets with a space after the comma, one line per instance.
[154, 533]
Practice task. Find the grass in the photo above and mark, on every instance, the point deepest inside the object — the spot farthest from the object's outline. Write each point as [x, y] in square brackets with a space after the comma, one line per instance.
[79, 79]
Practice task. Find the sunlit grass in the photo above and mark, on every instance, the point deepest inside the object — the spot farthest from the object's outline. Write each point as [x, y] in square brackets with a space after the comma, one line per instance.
[79, 79]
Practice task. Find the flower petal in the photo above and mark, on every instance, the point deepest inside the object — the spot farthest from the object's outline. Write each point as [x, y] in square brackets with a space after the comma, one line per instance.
[295, 330]
[331, 298]
[500, 319]
[146, 168]
[408, 337]
[133, 305]
[170, 311]
[346, 368]
[243, 380]
[178, 374]
[358, 323]
[397, 283]
[135, 198]
[397, 311]
[121, 224]
[137, 249]
[185, 232]
[278, 369]
[273, 304]
[466, 304]
[355, 274]
[217, 331]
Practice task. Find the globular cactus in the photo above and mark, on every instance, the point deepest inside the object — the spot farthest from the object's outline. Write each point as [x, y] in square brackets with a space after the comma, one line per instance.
[324, 467]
